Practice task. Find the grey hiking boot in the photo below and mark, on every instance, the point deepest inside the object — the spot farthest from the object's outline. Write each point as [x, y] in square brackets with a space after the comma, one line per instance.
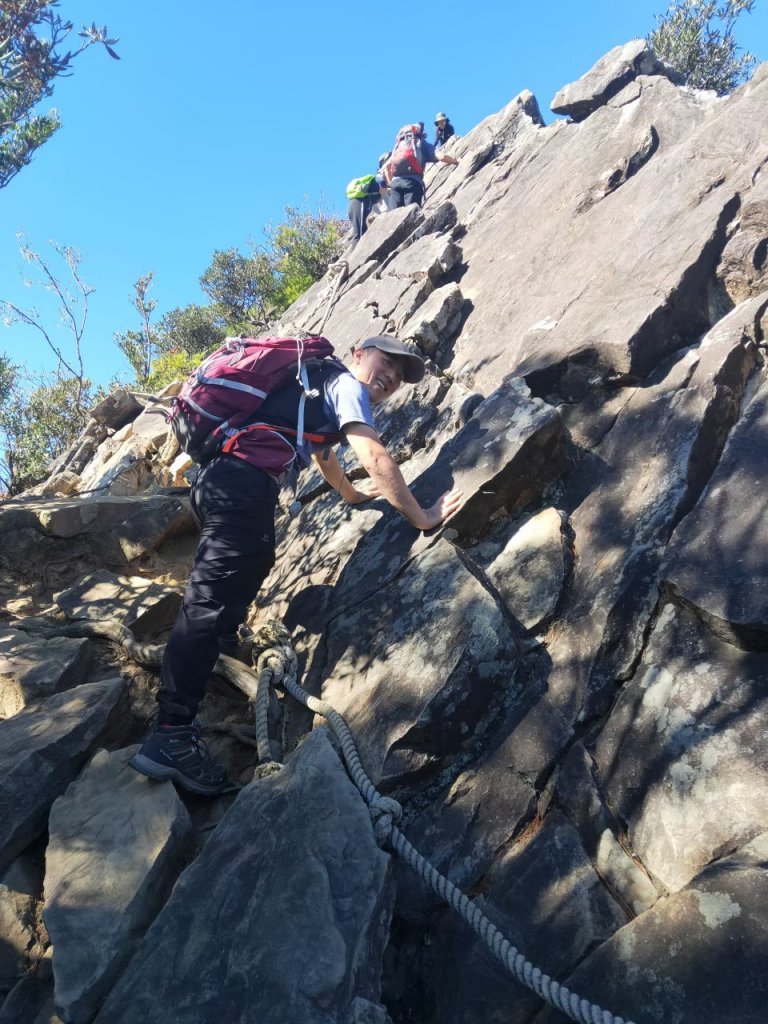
[179, 752]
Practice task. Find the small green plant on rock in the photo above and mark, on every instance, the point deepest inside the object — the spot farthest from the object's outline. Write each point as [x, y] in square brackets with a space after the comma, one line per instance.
[696, 38]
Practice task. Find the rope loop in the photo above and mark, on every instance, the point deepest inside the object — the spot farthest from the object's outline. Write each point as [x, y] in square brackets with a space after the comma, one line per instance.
[385, 813]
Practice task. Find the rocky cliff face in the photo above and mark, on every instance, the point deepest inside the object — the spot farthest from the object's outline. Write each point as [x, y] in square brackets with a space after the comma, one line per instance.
[565, 687]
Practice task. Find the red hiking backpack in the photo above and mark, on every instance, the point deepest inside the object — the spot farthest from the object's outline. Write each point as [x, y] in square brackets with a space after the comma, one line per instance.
[407, 154]
[212, 411]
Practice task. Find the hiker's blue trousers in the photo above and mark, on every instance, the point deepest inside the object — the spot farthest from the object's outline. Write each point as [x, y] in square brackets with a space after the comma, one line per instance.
[234, 504]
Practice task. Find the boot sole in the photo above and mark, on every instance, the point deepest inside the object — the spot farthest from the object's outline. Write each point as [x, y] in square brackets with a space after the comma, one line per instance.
[161, 772]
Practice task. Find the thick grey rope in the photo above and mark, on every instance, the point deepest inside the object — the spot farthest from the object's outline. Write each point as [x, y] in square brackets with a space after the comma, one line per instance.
[385, 812]
[278, 663]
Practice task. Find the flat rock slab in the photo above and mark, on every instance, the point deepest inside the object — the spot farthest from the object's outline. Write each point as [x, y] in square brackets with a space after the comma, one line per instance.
[743, 268]
[122, 468]
[284, 916]
[42, 750]
[716, 558]
[696, 957]
[152, 424]
[648, 472]
[489, 804]
[505, 456]
[417, 669]
[547, 900]
[33, 668]
[434, 320]
[535, 310]
[683, 755]
[119, 528]
[140, 604]
[385, 235]
[430, 256]
[530, 571]
[388, 294]
[117, 843]
[581, 800]
[608, 76]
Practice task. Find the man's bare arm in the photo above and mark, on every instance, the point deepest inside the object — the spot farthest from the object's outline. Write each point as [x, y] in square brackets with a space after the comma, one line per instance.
[332, 470]
[386, 476]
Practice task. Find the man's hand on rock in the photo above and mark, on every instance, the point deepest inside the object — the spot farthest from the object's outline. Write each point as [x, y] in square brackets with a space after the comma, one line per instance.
[445, 506]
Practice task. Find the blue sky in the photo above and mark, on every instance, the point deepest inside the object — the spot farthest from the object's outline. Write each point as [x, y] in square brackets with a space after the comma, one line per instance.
[219, 115]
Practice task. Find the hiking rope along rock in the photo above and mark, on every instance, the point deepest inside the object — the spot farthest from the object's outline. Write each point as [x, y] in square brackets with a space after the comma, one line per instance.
[386, 813]
[339, 271]
[277, 664]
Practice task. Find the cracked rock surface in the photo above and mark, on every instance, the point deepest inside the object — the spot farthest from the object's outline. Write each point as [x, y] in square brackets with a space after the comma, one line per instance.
[563, 687]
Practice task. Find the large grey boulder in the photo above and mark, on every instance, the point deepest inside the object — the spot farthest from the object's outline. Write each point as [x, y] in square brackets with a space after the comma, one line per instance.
[43, 748]
[33, 668]
[430, 256]
[610, 74]
[120, 466]
[284, 916]
[433, 647]
[530, 571]
[682, 757]
[117, 843]
[675, 962]
[435, 320]
[117, 409]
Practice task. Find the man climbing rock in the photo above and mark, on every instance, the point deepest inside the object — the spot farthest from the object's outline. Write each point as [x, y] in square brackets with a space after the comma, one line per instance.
[405, 170]
[234, 499]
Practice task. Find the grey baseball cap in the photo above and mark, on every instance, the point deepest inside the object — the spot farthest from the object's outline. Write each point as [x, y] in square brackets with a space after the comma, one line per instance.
[413, 365]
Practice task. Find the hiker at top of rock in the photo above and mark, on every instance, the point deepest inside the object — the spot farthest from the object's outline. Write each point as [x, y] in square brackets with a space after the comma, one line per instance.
[234, 497]
[365, 194]
[405, 169]
[444, 130]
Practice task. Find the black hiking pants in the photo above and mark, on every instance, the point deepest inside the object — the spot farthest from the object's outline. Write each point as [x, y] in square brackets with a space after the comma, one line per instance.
[234, 504]
[404, 191]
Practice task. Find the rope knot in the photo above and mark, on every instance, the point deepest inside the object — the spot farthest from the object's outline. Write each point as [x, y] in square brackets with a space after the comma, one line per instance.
[267, 768]
[385, 814]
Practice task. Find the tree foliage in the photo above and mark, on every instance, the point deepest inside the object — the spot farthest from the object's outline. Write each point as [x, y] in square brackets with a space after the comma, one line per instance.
[41, 416]
[72, 293]
[696, 38]
[140, 347]
[252, 290]
[32, 57]
[191, 330]
[38, 421]
[7, 378]
[247, 293]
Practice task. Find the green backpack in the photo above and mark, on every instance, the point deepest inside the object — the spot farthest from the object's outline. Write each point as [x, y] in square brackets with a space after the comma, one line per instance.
[358, 187]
